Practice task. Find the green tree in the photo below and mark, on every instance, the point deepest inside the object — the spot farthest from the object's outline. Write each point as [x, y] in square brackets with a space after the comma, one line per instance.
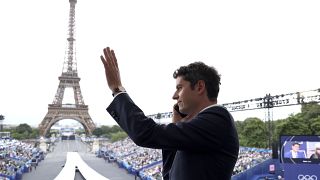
[118, 136]
[106, 129]
[22, 128]
[115, 128]
[97, 132]
[315, 125]
[278, 126]
[34, 134]
[294, 125]
[254, 133]
[239, 126]
[305, 123]
[16, 135]
[310, 111]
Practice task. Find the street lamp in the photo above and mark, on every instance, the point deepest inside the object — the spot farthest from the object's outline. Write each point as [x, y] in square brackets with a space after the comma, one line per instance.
[1, 122]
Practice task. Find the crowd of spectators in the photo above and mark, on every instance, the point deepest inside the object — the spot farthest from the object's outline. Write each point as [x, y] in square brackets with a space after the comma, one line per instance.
[152, 173]
[146, 163]
[17, 157]
[249, 157]
[142, 162]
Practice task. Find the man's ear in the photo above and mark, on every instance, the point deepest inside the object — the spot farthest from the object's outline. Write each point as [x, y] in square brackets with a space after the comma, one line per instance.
[201, 86]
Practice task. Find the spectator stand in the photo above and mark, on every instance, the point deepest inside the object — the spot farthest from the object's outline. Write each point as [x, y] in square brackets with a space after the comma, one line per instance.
[15, 158]
[132, 158]
[151, 172]
[146, 163]
[261, 171]
[250, 157]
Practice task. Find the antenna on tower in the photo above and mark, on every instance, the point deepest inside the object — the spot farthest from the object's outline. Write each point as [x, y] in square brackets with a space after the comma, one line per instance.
[70, 63]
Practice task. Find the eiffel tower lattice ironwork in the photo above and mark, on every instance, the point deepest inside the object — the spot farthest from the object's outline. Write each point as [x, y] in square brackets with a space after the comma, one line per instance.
[68, 79]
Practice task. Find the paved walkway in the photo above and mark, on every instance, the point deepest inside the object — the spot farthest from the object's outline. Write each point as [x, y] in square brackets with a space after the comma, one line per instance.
[50, 167]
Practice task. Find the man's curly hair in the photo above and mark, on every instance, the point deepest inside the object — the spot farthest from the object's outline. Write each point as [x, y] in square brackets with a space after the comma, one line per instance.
[199, 71]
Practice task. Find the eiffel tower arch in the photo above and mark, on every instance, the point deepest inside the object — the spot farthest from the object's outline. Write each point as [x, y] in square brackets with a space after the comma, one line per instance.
[69, 78]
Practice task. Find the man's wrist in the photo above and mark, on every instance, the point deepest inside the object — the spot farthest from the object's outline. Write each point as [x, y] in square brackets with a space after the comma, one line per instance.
[118, 90]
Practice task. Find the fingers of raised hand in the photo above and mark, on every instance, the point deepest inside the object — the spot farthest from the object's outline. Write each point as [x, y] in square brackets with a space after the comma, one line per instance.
[109, 58]
[113, 55]
[103, 60]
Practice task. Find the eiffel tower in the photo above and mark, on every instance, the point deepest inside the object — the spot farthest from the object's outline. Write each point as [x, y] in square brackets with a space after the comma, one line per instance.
[68, 79]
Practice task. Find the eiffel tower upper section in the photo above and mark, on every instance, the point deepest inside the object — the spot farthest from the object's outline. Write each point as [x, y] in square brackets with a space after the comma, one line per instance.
[69, 76]
[69, 79]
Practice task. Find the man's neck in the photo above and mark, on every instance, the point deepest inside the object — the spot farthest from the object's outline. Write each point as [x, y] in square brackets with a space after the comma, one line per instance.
[201, 108]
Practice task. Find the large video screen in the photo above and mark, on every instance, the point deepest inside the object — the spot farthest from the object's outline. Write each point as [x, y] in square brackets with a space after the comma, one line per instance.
[300, 149]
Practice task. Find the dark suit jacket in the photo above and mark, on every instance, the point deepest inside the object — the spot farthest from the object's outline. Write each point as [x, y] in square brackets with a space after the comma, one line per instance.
[290, 155]
[206, 148]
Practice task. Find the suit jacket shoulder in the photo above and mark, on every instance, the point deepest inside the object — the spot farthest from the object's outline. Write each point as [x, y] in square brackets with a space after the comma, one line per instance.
[207, 131]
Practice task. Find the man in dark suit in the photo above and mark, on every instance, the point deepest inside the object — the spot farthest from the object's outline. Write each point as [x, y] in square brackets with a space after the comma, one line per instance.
[201, 146]
[295, 151]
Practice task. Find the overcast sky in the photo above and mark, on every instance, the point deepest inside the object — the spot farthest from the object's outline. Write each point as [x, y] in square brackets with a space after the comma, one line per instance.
[258, 47]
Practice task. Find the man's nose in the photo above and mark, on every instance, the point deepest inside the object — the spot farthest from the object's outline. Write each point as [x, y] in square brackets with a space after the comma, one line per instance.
[175, 96]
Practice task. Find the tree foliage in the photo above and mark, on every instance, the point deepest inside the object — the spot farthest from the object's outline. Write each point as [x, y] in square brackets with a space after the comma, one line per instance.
[23, 131]
[22, 128]
[252, 133]
[106, 131]
[120, 135]
[97, 131]
[255, 133]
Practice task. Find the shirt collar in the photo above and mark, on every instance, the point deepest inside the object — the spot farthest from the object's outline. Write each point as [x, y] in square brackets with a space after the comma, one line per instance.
[213, 105]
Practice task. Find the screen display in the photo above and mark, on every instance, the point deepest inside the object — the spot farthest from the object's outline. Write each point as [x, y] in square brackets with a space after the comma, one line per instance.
[300, 149]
